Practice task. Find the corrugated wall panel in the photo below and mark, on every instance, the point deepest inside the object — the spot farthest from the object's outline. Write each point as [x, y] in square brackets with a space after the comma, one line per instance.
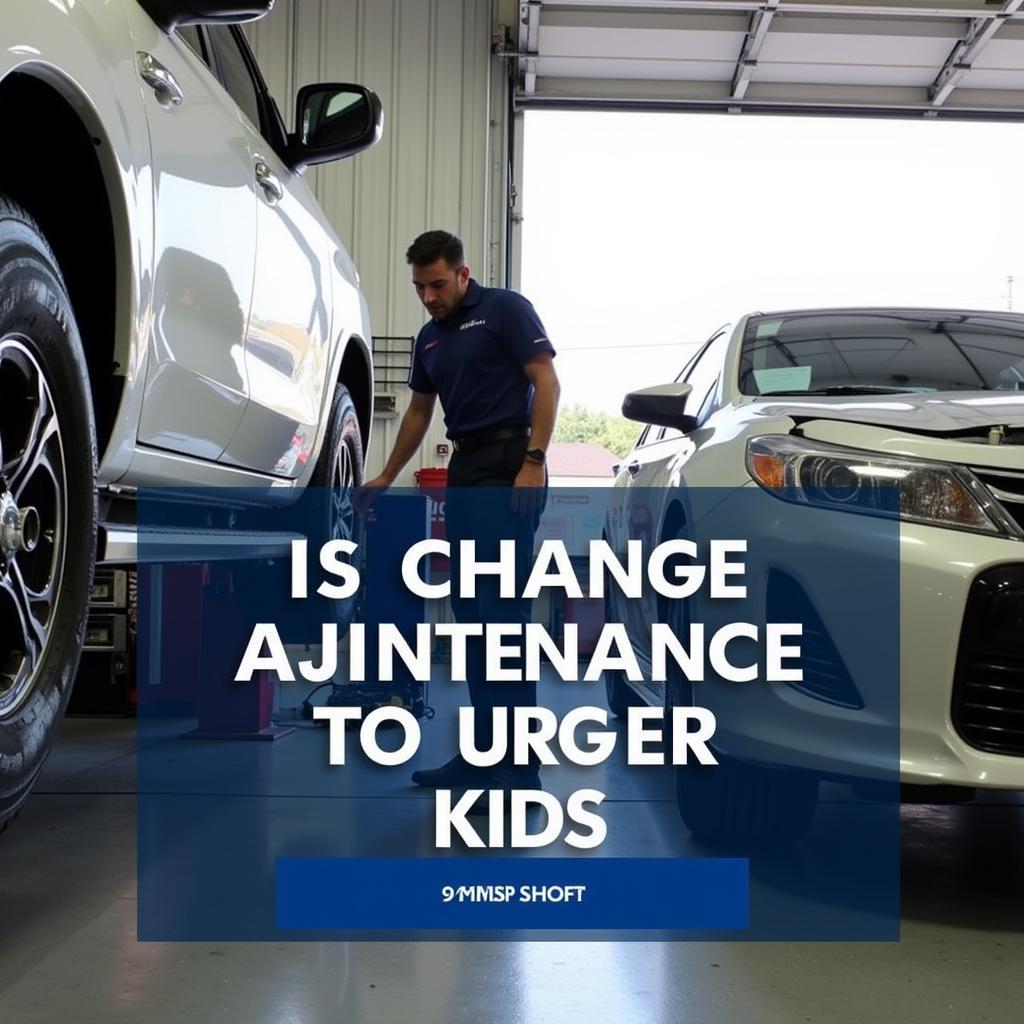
[429, 60]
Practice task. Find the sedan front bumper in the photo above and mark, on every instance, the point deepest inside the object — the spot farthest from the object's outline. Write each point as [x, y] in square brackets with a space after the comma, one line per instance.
[959, 716]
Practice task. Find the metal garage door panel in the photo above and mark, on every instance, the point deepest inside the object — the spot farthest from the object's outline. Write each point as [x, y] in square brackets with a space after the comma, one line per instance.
[1002, 53]
[799, 40]
[1004, 79]
[625, 43]
[842, 74]
[634, 70]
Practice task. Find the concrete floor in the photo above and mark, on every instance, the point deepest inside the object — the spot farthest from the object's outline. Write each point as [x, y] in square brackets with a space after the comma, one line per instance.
[68, 947]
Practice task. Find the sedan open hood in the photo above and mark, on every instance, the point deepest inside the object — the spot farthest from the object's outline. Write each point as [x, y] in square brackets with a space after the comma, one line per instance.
[950, 427]
[936, 413]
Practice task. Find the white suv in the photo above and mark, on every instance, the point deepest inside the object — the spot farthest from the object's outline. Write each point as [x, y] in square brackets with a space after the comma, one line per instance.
[174, 307]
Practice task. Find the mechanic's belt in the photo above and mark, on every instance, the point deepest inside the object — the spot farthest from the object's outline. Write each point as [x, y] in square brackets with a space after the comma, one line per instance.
[481, 438]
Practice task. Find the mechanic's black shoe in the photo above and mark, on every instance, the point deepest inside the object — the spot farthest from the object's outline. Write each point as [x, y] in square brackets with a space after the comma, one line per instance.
[457, 773]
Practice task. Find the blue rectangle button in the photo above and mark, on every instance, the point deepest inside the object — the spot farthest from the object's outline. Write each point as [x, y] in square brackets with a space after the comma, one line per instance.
[501, 893]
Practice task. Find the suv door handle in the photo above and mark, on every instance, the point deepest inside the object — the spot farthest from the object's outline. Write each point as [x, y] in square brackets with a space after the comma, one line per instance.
[160, 80]
[633, 468]
[268, 181]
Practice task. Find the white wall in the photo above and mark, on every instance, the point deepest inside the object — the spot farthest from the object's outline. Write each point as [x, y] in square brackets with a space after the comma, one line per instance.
[441, 161]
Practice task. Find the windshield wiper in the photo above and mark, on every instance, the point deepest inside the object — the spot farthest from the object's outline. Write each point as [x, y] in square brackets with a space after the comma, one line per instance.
[845, 389]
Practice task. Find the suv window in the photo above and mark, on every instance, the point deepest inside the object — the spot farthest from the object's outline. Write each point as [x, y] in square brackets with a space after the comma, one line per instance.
[233, 71]
[190, 35]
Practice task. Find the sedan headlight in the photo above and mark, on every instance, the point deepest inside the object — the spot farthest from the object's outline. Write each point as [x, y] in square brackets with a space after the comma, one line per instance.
[827, 476]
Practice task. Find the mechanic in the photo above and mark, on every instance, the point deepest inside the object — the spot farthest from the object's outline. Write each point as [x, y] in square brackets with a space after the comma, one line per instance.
[486, 354]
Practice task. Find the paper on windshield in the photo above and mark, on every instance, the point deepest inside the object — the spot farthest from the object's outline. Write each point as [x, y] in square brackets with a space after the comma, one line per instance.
[785, 378]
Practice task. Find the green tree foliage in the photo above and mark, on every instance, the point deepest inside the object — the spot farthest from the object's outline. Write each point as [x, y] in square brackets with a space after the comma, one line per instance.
[578, 423]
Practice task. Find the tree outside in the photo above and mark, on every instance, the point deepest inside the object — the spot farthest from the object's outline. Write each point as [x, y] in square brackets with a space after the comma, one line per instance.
[578, 423]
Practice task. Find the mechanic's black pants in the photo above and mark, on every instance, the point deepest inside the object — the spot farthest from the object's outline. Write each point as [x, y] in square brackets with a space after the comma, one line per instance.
[478, 507]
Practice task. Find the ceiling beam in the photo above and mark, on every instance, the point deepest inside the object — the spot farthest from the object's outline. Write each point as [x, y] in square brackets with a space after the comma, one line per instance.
[760, 22]
[979, 33]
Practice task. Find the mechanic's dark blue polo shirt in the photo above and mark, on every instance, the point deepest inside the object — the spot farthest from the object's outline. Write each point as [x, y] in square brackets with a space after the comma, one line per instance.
[474, 360]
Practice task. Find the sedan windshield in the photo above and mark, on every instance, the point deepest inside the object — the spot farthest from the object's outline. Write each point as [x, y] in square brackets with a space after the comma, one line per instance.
[885, 352]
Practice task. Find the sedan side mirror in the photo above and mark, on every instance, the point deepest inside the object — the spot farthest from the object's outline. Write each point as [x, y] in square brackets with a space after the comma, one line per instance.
[333, 122]
[662, 405]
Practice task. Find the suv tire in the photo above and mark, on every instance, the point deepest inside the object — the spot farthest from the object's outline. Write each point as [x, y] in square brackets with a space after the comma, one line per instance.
[324, 512]
[48, 512]
[338, 472]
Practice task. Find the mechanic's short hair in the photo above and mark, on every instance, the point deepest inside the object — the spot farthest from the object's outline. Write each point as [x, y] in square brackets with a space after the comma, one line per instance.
[433, 245]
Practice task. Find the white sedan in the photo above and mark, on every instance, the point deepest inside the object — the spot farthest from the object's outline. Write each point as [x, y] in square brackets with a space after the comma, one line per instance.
[814, 408]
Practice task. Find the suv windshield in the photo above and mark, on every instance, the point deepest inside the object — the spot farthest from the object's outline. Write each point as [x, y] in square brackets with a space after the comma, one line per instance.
[860, 352]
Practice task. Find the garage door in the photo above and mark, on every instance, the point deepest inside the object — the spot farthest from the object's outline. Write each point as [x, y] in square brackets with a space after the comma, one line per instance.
[940, 58]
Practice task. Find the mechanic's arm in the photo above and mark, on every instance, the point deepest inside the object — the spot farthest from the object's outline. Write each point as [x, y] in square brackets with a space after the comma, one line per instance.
[541, 371]
[414, 427]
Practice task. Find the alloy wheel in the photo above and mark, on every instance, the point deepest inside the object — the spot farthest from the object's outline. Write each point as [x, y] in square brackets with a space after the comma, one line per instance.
[33, 511]
[343, 482]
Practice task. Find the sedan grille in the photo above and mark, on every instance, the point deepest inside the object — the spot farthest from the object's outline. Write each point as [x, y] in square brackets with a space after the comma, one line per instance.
[1007, 487]
[988, 693]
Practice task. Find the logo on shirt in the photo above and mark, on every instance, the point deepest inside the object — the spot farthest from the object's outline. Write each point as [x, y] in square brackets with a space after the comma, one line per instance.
[537, 341]
[472, 323]
[431, 344]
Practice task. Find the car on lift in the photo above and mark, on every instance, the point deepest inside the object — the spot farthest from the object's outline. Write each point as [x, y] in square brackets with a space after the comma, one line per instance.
[825, 410]
[175, 309]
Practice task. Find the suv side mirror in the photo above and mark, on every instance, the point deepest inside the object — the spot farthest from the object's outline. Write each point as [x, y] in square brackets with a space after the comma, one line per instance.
[169, 14]
[662, 406]
[333, 122]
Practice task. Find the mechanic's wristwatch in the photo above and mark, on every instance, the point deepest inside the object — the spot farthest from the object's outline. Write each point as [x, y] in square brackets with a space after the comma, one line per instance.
[536, 455]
